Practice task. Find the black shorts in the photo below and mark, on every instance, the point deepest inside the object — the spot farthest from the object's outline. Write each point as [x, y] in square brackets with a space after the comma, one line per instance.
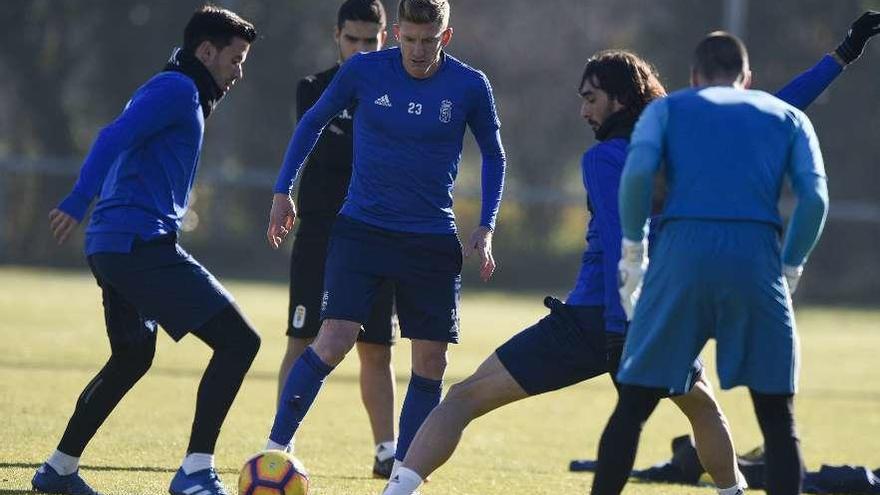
[307, 286]
[157, 282]
[566, 347]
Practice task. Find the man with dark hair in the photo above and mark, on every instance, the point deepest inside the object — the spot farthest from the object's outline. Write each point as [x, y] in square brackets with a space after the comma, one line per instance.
[360, 27]
[396, 224]
[725, 59]
[142, 168]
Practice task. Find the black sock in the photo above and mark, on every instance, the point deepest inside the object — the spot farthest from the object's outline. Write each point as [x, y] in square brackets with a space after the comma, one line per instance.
[784, 471]
[617, 448]
[127, 364]
[235, 345]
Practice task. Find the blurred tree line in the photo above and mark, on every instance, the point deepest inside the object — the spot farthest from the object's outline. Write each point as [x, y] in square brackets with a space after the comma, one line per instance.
[69, 66]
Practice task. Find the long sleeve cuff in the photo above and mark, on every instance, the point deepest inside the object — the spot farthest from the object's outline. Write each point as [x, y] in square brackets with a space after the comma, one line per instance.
[75, 205]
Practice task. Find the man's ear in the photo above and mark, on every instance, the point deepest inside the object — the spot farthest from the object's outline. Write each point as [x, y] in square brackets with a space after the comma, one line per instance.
[446, 37]
[747, 79]
[206, 52]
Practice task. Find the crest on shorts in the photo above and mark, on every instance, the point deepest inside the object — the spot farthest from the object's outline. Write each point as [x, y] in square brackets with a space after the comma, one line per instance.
[299, 317]
[324, 298]
[445, 111]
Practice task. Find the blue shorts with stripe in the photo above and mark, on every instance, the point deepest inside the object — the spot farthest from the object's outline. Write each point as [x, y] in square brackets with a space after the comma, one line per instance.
[721, 280]
[425, 270]
[157, 282]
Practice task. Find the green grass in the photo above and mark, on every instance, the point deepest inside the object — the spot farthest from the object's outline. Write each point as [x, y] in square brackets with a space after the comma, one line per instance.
[52, 334]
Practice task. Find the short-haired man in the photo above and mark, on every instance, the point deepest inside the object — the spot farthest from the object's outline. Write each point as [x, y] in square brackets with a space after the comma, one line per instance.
[716, 268]
[360, 27]
[142, 167]
[413, 106]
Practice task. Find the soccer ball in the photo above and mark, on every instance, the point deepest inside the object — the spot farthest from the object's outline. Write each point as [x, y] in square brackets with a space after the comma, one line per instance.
[273, 472]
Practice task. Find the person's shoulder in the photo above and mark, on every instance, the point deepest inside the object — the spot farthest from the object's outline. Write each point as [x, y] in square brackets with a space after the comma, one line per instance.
[611, 151]
[171, 81]
[319, 79]
[171, 85]
[462, 69]
[377, 57]
[769, 103]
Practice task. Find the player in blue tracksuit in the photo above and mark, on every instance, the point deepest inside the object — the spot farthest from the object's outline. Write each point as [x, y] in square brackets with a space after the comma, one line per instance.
[716, 268]
[142, 168]
[583, 337]
[413, 106]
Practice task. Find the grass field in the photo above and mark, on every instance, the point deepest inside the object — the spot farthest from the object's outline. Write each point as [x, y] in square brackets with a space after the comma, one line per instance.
[53, 341]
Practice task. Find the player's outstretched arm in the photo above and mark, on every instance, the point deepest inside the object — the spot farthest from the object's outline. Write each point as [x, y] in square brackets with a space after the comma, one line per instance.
[803, 90]
[861, 31]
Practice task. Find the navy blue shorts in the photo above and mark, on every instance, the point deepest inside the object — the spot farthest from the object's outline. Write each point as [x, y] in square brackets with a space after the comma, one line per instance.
[157, 282]
[307, 262]
[566, 347]
[424, 268]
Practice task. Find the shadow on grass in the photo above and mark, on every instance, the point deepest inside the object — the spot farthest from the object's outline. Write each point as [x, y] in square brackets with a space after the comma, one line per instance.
[402, 379]
[86, 467]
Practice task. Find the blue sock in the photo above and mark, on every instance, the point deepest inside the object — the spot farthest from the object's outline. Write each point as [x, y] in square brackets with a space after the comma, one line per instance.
[422, 397]
[302, 386]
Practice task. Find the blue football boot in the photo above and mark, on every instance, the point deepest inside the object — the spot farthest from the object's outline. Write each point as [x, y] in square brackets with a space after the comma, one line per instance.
[204, 482]
[47, 480]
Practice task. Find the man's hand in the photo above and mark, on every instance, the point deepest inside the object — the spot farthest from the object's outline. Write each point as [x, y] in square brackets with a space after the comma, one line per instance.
[862, 29]
[481, 242]
[631, 270]
[61, 224]
[792, 276]
[281, 219]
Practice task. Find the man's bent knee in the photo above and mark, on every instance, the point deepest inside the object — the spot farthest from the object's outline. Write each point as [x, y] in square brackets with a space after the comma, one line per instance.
[374, 356]
[335, 339]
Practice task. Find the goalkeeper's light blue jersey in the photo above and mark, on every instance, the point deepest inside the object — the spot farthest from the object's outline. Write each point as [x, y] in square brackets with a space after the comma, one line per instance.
[408, 136]
[726, 153]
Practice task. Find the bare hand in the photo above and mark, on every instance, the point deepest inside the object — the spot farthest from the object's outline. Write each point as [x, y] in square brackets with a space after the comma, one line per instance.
[61, 224]
[481, 242]
[281, 219]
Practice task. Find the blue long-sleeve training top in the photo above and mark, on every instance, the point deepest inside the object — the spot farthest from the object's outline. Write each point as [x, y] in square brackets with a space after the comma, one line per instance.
[727, 152]
[408, 136]
[143, 166]
[602, 166]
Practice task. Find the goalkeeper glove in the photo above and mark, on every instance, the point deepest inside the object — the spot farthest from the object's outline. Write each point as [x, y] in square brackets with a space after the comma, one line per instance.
[631, 270]
[862, 29]
[792, 276]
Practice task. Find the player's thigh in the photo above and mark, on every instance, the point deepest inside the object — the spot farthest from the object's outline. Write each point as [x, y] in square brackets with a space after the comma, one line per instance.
[673, 320]
[553, 353]
[165, 284]
[428, 287]
[306, 286]
[699, 400]
[357, 264]
[491, 386]
[755, 327]
[381, 328]
[126, 327]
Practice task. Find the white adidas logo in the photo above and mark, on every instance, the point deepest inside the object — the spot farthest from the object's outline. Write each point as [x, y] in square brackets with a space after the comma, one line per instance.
[383, 101]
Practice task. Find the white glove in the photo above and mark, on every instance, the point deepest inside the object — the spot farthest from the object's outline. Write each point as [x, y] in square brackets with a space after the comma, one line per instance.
[630, 271]
[792, 276]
